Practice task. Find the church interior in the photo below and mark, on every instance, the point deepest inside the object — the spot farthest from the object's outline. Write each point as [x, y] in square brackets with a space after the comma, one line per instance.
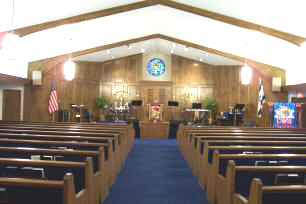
[157, 101]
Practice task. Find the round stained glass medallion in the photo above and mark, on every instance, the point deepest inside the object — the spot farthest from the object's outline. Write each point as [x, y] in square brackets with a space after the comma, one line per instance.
[156, 67]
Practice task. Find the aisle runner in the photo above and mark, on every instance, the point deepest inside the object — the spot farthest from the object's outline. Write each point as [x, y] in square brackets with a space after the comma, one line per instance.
[156, 173]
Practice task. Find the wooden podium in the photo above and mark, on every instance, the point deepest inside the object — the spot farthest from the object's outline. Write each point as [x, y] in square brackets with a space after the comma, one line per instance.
[154, 131]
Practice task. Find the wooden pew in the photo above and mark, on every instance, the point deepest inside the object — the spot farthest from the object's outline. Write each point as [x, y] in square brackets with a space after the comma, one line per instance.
[128, 127]
[182, 130]
[220, 161]
[260, 194]
[238, 179]
[103, 164]
[125, 132]
[64, 189]
[190, 148]
[119, 154]
[88, 130]
[201, 156]
[188, 130]
[111, 164]
[197, 157]
[189, 141]
[93, 176]
[86, 192]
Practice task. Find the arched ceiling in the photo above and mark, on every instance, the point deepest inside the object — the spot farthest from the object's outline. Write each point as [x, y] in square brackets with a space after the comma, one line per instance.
[267, 32]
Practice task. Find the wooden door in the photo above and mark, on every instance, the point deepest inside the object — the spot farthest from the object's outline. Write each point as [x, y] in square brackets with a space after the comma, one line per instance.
[156, 94]
[11, 105]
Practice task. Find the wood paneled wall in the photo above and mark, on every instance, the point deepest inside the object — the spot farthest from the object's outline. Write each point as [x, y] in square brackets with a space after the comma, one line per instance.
[118, 72]
[193, 76]
[82, 90]
[203, 80]
[223, 83]
[229, 91]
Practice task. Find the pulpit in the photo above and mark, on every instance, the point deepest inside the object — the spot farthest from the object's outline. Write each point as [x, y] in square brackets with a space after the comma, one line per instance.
[154, 129]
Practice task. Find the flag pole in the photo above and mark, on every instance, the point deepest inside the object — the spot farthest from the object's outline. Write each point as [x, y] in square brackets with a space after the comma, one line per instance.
[53, 120]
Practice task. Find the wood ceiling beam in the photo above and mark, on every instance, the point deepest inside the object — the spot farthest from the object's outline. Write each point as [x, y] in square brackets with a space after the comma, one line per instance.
[297, 40]
[85, 17]
[47, 64]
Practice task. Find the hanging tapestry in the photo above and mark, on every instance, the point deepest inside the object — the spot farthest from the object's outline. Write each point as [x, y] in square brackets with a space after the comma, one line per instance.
[155, 112]
[284, 115]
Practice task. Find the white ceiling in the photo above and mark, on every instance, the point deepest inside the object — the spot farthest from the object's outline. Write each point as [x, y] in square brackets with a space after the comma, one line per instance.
[157, 46]
[284, 15]
[278, 14]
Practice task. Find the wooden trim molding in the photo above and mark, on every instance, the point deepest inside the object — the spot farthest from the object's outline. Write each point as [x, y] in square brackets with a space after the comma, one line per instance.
[296, 87]
[297, 40]
[156, 83]
[14, 79]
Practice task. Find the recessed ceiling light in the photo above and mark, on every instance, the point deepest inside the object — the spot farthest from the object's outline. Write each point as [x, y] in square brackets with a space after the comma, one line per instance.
[171, 51]
[108, 51]
[186, 48]
[173, 45]
[143, 50]
[201, 59]
[207, 53]
[129, 47]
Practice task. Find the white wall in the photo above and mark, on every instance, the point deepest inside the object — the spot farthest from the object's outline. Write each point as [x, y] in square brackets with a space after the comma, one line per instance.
[167, 60]
[12, 86]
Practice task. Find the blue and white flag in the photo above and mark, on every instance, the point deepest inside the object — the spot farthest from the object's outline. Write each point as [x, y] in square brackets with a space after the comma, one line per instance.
[261, 99]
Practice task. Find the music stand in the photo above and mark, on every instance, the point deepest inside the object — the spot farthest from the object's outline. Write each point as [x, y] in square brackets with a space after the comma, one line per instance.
[196, 105]
[136, 103]
[173, 104]
[237, 108]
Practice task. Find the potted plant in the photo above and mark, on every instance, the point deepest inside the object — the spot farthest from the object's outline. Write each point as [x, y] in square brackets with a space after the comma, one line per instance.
[210, 104]
[101, 104]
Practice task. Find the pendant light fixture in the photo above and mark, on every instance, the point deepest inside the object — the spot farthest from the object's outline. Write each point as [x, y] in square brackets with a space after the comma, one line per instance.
[69, 69]
[11, 38]
[246, 74]
[246, 71]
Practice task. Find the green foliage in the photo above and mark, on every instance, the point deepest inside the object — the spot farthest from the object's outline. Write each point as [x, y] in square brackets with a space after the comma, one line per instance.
[210, 104]
[101, 102]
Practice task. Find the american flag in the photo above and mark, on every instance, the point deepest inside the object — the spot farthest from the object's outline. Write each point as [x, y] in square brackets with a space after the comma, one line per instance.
[53, 99]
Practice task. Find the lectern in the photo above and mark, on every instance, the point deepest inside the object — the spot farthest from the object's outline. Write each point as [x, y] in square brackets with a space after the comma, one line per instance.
[136, 103]
[154, 128]
[173, 104]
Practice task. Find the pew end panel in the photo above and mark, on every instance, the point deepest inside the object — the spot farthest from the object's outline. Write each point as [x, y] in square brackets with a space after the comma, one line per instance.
[211, 175]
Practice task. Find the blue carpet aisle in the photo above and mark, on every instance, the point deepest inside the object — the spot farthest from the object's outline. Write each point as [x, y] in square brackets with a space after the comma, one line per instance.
[155, 172]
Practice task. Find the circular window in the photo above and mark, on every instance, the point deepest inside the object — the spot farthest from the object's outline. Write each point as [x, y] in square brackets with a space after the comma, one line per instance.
[156, 67]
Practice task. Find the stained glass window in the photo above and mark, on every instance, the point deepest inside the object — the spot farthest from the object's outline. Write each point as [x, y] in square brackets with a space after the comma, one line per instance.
[156, 67]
